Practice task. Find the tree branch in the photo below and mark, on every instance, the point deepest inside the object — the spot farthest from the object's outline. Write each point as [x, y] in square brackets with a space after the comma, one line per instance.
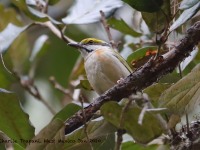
[145, 76]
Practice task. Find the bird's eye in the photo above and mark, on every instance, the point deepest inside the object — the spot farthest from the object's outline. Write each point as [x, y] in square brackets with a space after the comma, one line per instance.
[90, 42]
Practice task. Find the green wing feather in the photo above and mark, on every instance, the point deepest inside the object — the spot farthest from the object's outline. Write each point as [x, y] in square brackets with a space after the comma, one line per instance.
[123, 61]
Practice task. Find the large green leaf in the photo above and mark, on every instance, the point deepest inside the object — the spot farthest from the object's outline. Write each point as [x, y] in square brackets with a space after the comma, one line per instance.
[121, 26]
[139, 54]
[183, 96]
[150, 125]
[18, 51]
[145, 5]
[67, 112]
[158, 20]
[9, 34]
[14, 122]
[54, 131]
[101, 134]
[185, 16]
[154, 91]
[33, 13]
[88, 11]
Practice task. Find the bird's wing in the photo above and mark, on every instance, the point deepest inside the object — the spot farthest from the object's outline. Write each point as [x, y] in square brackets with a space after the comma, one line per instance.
[123, 61]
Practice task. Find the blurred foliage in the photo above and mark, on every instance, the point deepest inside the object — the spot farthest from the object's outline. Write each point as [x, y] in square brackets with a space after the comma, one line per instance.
[33, 50]
[14, 121]
[145, 5]
[121, 26]
[183, 94]
[131, 145]
[150, 125]
[54, 130]
[158, 20]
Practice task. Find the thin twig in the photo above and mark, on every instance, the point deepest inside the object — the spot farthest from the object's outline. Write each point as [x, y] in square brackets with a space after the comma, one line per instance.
[59, 87]
[33, 90]
[85, 123]
[180, 71]
[46, 7]
[107, 29]
[55, 30]
[119, 132]
[147, 104]
[142, 113]
[149, 107]
[187, 123]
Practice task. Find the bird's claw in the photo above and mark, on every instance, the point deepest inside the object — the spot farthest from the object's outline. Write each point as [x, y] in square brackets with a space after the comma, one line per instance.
[120, 80]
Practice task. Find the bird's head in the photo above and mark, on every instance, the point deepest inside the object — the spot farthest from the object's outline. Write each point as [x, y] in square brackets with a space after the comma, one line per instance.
[89, 45]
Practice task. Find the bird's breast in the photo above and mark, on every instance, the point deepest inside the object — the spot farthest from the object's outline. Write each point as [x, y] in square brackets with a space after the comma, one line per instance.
[103, 70]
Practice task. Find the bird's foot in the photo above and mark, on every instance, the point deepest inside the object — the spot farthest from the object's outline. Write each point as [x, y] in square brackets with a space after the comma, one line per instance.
[120, 80]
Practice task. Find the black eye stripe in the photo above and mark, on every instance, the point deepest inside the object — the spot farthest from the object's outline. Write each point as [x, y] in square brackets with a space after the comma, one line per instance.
[87, 50]
[93, 43]
[90, 42]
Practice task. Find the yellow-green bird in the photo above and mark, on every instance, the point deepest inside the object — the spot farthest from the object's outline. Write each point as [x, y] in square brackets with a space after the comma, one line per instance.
[104, 66]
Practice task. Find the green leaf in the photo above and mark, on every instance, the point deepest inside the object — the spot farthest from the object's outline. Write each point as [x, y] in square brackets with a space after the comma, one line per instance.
[121, 26]
[5, 80]
[183, 96]
[17, 147]
[145, 5]
[9, 34]
[185, 16]
[170, 78]
[134, 146]
[85, 85]
[150, 125]
[78, 69]
[67, 112]
[101, 133]
[14, 122]
[14, 58]
[139, 54]
[53, 2]
[33, 13]
[54, 131]
[154, 91]
[186, 4]
[40, 48]
[90, 13]
[157, 21]
[21, 4]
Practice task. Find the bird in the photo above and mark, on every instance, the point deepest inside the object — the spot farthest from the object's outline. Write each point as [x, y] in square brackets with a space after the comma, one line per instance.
[103, 64]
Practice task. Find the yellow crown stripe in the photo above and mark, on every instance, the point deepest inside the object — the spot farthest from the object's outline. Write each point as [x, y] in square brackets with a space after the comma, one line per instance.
[90, 40]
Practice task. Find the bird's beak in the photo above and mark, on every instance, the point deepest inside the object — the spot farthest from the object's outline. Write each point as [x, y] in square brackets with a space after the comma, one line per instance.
[76, 45]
